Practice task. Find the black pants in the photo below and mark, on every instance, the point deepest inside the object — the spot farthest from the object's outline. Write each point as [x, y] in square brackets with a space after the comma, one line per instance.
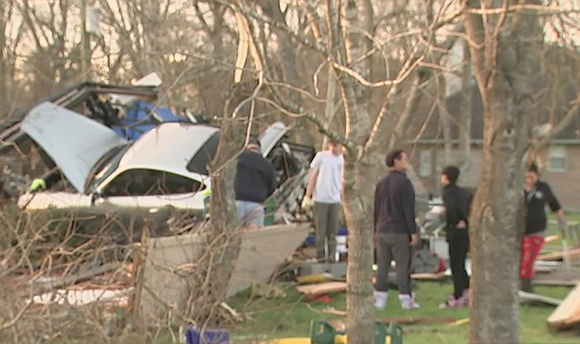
[394, 246]
[458, 248]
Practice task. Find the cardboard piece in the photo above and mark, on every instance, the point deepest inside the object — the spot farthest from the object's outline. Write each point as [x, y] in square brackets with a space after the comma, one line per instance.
[567, 314]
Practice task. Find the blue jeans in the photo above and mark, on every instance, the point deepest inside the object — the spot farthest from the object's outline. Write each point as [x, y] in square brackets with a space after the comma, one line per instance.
[250, 213]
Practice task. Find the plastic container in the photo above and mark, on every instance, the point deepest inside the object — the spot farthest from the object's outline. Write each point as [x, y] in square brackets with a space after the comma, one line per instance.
[207, 336]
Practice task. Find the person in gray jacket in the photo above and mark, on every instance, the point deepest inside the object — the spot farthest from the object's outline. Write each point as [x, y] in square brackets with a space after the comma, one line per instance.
[395, 230]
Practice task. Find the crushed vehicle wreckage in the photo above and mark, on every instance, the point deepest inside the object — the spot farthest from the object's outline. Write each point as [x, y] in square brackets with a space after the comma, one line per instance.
[152, 172]
[118, 152]
[108, 151]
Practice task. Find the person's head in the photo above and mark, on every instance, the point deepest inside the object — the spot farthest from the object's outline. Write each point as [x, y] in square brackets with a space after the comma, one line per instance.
[449, 175]
[334, 147]
[397, 159]
[532, 174]
[253, 144]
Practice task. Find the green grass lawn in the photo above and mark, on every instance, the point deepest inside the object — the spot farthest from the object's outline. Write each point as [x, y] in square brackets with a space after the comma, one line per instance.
[290, 317]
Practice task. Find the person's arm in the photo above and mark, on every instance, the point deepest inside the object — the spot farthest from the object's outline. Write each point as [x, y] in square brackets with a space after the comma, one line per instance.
[377, 208]
[555, 205]
[314, 169]
[409, 206]
[272, 179]
[453, 211]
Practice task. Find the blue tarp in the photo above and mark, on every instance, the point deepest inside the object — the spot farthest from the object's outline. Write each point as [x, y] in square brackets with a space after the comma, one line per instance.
[142, 117]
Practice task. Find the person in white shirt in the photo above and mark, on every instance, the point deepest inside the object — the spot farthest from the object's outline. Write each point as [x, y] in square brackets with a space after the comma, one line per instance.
[325, 191]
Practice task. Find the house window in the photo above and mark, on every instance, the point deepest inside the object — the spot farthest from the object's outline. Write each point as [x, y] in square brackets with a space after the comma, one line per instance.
[557, 159]
[425, 167]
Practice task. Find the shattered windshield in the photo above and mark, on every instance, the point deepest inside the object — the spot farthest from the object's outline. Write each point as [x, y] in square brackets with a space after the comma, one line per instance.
[205, 154]
[105, 166]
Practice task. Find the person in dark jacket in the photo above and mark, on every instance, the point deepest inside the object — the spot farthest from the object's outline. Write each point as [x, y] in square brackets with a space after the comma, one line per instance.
[255, 182]
[537, 194]
[457, 203]
[395, 230]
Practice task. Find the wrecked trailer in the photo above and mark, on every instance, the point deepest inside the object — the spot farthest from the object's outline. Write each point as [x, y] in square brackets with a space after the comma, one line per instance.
[107, 104]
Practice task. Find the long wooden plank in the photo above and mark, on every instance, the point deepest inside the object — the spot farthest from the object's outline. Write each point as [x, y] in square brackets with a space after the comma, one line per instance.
[322, 288]
[567, 313]
[573, 254]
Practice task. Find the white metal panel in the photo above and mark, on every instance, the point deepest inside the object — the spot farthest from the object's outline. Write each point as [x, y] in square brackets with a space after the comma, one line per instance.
[74, 142]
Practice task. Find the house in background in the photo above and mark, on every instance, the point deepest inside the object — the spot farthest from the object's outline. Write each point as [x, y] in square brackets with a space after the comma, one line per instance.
[557, 85]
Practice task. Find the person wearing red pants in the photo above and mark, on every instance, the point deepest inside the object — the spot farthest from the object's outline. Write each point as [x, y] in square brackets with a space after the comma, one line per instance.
[537, 194]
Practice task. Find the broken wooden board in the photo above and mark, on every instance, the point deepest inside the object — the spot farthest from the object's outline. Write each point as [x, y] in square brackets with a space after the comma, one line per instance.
[567, 314]
[531, 297]
[319, 278]
[261, 251]
[322, 288]
[558, 277]
[574, 254]
[424, 276]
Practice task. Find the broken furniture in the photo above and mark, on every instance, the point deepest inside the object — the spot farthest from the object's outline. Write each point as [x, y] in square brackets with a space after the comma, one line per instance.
[261, 251]
[567, 314]
[322, 332]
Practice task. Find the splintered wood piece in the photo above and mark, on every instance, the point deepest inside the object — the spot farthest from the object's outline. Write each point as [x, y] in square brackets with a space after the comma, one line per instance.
[567, 314]
[573, 254]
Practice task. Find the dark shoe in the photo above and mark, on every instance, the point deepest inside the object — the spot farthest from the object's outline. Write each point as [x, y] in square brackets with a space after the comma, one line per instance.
[526, 285]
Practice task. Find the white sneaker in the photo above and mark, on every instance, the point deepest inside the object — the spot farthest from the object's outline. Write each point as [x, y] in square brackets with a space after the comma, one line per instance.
[380, 299]
[408, 302]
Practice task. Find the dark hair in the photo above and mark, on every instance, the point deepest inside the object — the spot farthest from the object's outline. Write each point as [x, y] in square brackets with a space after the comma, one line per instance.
[452, 173]
[392, 156]
[254, 141]
[533, 168]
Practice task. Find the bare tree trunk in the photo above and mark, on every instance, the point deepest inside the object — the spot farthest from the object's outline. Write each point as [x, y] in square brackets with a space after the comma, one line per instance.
[359, 320]
[224, 238]
[502, 67]
[444, 118]
[465, 114]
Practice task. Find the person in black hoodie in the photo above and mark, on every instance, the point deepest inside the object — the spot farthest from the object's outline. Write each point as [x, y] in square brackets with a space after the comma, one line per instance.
[457, 203]
[395, 230]
[537, 194]
[255, 182]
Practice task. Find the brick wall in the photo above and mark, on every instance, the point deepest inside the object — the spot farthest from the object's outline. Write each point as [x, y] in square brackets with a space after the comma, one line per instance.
[560, 163]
